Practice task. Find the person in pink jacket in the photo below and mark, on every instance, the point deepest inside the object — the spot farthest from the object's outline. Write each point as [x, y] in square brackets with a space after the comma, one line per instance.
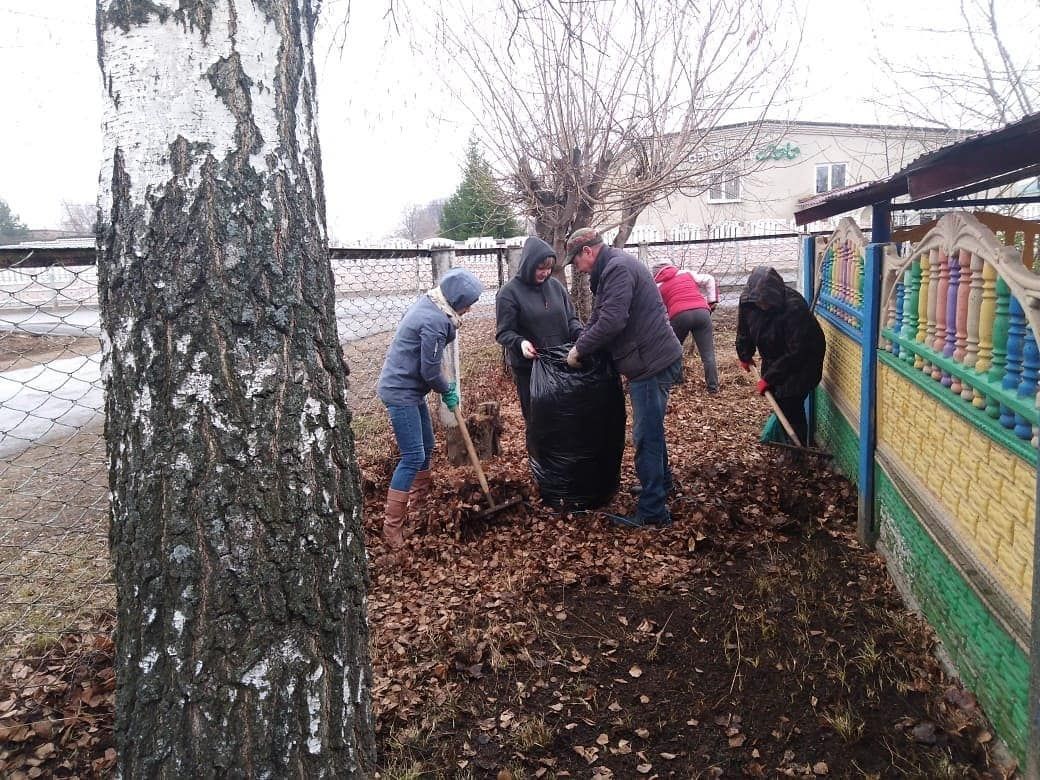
[689, 311]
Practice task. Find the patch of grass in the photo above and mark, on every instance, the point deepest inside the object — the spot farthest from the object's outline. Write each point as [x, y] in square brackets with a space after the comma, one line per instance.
[845, 722]
[54, 590]
[815, 564]
[404, 769]
[763, 586]
[533, 732]
[869, 658]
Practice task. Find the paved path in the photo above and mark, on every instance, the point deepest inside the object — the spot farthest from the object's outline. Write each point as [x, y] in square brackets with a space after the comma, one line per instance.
[53, 401]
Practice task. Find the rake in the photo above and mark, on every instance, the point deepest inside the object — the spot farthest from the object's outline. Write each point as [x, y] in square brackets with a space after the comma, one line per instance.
[493, 508]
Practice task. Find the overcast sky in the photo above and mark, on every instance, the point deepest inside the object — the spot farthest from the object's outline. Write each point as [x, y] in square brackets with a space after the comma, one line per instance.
[389, 135]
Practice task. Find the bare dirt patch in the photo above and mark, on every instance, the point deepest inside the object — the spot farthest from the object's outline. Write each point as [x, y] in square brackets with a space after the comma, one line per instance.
[24, 350]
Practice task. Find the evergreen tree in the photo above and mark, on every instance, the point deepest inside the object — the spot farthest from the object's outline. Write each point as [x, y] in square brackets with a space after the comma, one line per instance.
[478, 207]
[11, 228]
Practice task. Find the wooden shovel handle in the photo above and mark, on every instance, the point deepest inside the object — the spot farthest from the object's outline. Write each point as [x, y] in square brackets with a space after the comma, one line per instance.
[473, 454]
[776, 409]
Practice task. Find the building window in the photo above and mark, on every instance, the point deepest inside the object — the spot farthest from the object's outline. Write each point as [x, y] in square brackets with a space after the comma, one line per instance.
[724, 187]
[830, 176]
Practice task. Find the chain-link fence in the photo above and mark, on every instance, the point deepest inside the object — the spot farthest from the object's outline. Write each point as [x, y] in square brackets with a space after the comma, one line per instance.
[54, 573]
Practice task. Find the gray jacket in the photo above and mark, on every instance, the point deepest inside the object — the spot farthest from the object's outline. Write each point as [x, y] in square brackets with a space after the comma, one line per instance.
[628, 318]
[413, 363]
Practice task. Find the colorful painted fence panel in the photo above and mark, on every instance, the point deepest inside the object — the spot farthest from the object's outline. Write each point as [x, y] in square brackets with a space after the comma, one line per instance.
[953, 391]
[954, 315]
[840, 274]
[838, 297]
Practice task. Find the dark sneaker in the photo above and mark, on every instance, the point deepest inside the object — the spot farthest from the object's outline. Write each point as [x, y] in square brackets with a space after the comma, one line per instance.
[673, 489]
[624, 521]
[664, 522]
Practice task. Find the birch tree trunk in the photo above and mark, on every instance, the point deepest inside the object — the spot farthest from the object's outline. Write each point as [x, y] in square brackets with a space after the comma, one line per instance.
[242, 644]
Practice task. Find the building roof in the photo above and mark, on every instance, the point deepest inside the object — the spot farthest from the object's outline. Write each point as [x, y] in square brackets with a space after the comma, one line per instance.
[77, 242]
[846, 125]
[976, 163]
[60, 251]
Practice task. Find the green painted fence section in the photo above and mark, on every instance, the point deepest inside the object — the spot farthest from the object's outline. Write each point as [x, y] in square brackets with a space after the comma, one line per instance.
[988, 659]
[990, 662]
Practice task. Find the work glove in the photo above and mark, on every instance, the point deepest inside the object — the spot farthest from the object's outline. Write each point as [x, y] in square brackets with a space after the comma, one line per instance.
[762, 386]
[527, 350]
[746, 364]
[573, 358]
[450, 397]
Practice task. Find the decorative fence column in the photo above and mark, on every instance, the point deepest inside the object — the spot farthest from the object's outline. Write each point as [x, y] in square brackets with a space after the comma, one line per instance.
[514, 248]
[513, 252]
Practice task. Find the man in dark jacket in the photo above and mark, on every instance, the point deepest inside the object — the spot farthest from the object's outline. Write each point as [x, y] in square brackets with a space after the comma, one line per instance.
[776, 320]
[629, 321]
[533, 311]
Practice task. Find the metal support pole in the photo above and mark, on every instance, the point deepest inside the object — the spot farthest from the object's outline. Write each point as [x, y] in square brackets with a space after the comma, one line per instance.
[881, 223]
[808, 280]
[865, 525]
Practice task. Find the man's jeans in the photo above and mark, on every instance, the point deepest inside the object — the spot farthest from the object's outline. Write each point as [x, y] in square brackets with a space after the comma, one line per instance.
[649, 402]
[413, 430]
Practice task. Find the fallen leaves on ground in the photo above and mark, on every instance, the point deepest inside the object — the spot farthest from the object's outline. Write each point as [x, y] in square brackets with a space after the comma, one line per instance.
[751, 638]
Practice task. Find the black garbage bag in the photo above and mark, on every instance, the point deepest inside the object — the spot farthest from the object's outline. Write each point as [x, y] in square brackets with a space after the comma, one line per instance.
[576, 430]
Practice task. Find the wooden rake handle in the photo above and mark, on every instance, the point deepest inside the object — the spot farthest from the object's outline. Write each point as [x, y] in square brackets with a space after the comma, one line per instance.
[471, 451]
[776, 409]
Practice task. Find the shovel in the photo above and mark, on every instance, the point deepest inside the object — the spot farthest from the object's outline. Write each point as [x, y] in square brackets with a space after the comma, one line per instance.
[492, 507]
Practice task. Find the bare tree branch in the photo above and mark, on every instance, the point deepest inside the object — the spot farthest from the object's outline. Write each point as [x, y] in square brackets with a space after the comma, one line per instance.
[966, 72]
[594, 110]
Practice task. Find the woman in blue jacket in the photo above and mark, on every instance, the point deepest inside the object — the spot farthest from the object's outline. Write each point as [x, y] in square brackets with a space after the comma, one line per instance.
[411, 370]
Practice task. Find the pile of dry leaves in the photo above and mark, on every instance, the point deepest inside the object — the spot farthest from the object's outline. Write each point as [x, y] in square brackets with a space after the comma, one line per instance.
[56, 707]
[752, 638]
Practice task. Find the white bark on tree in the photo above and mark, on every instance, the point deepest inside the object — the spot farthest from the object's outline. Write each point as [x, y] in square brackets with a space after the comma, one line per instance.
[242, 642]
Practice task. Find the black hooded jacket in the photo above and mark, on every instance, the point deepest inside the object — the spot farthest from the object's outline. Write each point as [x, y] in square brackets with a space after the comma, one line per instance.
[787, 336]
[540, 313]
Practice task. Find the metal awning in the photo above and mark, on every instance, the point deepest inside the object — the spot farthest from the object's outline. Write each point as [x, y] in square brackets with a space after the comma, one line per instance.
[975, 164]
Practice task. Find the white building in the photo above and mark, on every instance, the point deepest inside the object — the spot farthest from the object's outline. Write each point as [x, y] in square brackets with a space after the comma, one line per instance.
[794, 160]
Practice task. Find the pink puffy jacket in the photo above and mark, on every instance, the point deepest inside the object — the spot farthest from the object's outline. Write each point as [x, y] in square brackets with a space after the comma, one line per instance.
[680, 290]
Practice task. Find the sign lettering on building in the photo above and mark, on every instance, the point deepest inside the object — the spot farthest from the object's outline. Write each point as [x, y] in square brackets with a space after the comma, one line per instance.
[786, 152]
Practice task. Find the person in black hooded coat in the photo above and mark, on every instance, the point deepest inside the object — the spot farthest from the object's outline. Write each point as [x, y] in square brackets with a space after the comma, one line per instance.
[777, 322]
[532, 312]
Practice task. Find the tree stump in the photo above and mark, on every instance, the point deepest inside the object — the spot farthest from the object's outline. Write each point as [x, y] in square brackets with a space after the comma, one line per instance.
[485, 428]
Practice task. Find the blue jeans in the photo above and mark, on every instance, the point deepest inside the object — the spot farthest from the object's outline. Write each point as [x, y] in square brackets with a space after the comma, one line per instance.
[413, 430]
[649, 402]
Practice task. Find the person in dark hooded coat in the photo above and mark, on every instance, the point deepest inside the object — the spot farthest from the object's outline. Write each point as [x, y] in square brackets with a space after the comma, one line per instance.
[532, 312]
[777, 322]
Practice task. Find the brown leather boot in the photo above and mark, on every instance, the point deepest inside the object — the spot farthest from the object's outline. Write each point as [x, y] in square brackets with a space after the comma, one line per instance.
[420, 486]
[393, 522]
